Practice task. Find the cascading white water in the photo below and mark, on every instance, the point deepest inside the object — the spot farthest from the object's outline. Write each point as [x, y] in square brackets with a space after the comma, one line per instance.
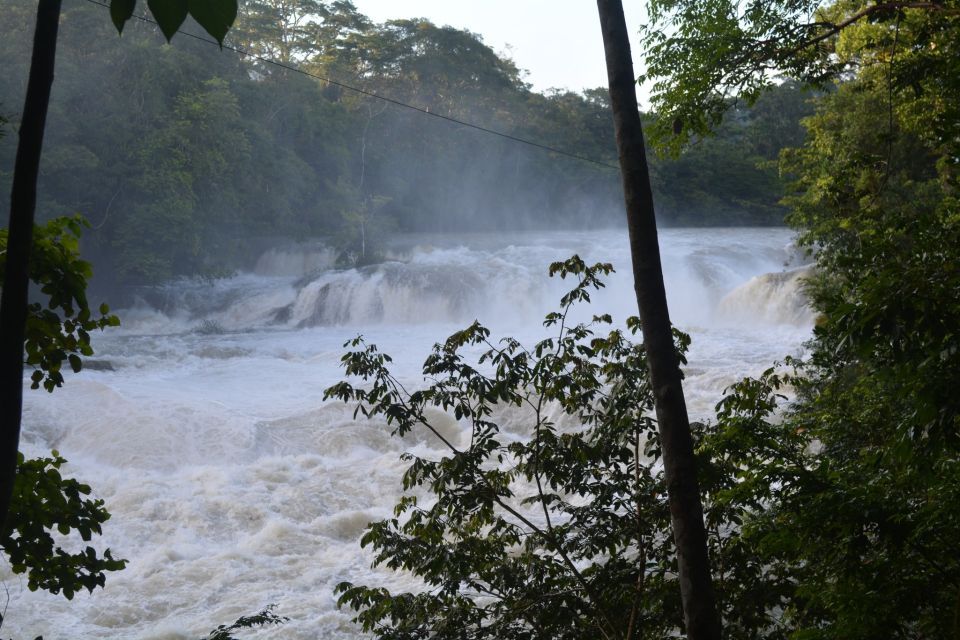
[772, 298]
[233, 485]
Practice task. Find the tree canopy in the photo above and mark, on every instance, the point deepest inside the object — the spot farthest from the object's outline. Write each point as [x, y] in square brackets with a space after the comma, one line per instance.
[701, 55]
[209, 155]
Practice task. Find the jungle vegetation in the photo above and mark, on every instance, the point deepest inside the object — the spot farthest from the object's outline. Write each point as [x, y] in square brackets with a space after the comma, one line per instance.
[184, 159]
[830, 484]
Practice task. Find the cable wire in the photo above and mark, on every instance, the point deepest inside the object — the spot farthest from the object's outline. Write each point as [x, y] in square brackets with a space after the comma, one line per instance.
[377, 96]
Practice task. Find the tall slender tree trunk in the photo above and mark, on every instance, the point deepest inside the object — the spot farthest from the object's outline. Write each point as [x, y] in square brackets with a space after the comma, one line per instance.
[23, 201]
[686, 510]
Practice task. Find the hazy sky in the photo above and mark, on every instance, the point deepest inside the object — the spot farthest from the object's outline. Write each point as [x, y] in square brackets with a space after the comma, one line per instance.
[557, 41]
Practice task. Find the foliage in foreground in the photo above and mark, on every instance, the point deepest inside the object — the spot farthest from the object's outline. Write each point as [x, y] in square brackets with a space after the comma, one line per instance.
[46, 509]
[877, 199]
[44, 505]
[825, 518]
[264, 618]
[562, 532]
[59, 330]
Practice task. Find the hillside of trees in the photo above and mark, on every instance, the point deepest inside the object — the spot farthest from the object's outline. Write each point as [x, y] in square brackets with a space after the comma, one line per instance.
[184, 158]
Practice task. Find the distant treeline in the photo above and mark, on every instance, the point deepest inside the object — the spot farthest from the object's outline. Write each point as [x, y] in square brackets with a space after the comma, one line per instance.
[182, 156]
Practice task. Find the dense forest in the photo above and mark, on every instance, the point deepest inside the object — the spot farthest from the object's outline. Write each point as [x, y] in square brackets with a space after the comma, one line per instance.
[184, 158]
[829, 483]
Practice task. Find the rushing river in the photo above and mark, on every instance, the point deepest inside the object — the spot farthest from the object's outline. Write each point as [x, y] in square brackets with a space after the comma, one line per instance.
[233, 485]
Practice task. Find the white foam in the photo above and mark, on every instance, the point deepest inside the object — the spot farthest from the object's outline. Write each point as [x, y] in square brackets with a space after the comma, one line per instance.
[770, 298]
[233, 484]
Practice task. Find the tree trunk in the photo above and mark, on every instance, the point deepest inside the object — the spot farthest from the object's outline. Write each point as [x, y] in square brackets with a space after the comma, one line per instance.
[23, 200]
[686, 511]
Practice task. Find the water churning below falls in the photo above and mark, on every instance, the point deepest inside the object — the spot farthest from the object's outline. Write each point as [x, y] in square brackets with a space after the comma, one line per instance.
[233, 485]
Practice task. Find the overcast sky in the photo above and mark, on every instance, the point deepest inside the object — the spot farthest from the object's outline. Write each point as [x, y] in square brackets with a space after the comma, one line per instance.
[557, 41]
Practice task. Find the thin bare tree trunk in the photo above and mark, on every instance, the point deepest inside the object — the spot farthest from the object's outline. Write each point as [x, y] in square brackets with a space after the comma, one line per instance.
[686, 510]
[23, 201]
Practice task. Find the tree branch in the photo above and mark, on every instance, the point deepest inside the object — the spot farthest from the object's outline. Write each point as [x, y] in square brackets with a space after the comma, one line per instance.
[834, 29]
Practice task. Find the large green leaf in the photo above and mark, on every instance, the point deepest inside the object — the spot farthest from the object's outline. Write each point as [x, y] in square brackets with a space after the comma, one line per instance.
[215, 16]
[169, 14]
[121, 11]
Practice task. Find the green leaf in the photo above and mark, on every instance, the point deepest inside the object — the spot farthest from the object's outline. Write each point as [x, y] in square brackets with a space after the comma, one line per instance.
[215, 16]
[169, 14]
[121, 11]
[75, 363]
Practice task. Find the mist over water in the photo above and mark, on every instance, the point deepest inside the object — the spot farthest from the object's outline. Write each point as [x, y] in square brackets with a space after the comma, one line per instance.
[233, 485]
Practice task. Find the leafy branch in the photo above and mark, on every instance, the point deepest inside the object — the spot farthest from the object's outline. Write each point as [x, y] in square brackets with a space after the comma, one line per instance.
[594, 489]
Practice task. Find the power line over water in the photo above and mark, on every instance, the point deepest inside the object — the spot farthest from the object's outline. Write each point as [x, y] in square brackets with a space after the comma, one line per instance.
[377, 96]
